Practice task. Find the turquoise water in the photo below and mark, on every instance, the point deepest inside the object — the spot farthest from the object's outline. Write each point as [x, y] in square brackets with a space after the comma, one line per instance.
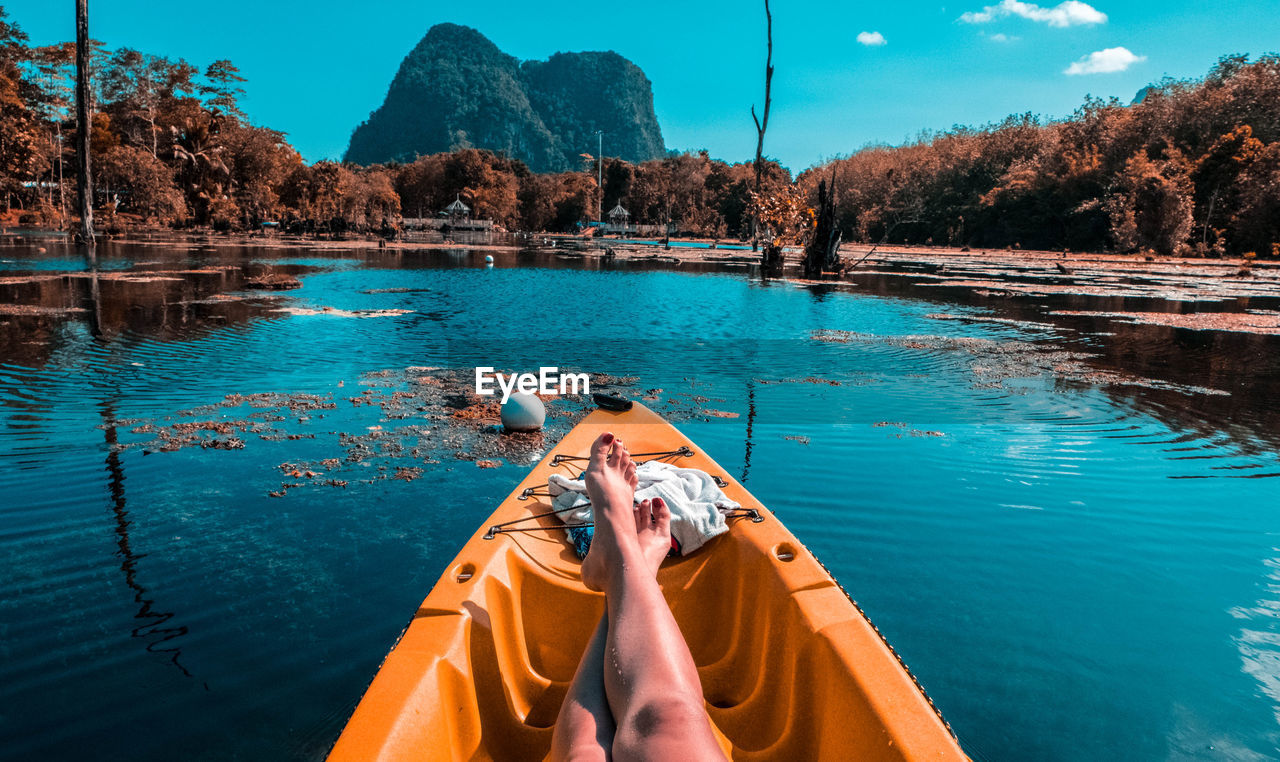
[1071, 569]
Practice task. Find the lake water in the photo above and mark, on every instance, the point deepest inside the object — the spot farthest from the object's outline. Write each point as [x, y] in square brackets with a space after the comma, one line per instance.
[1067, 527]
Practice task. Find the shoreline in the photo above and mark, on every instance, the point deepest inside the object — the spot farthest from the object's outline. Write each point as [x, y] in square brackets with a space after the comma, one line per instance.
[685, 249]
[1194, 283]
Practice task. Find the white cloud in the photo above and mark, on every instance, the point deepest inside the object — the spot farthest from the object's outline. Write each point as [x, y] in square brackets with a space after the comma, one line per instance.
[1064, 14]
[1002, 37]
[871, 38]
[1104, 62]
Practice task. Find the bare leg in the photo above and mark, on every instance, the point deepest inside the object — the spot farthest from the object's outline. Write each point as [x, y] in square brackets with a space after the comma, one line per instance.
[649, 676]
[584, 729]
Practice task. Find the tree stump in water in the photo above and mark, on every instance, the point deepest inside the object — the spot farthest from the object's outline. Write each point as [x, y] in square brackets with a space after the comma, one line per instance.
[822, 254]
[771, 259]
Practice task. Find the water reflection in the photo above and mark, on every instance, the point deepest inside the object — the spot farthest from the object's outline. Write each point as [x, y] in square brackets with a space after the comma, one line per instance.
[751, 422]
[180, 293]
[155, 629]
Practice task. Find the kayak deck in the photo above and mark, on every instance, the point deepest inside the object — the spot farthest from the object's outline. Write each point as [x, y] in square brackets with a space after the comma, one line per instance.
[790, 668]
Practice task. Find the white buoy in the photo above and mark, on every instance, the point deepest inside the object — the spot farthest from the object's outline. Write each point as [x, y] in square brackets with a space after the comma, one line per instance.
[488, 258]
[523, 412]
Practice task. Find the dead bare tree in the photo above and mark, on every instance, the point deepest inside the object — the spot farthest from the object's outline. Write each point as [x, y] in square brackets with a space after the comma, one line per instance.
[822, 254]
[762, 123]
[84, 124]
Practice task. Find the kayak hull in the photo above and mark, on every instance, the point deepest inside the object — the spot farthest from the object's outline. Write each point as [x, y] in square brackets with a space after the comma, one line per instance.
[790, 667]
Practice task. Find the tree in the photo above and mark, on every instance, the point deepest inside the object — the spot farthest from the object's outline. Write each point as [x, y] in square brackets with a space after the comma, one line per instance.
[1255, 225]
[19, 130]
[763, 124]
[258, 162]
[783, 217]
[199, 161]
[538, 195]
[486, 182]
[1151, 208]
[53, 68]
[144, 184]
[1217, 178]
[135, 86]
[221, 89]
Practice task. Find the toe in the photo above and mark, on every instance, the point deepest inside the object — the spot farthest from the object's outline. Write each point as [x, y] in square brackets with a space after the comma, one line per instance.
[630, 474]
[661, 513]
[600, 447]
[644, 514]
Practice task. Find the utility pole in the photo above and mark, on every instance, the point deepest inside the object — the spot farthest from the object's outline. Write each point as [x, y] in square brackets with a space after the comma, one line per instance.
[600, 175]
[84, 122]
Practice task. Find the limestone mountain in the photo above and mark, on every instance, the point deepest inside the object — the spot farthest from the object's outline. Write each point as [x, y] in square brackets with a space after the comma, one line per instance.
[456, 89]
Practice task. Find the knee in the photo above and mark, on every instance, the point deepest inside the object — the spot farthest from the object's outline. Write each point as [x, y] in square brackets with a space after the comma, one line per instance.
[667, 716]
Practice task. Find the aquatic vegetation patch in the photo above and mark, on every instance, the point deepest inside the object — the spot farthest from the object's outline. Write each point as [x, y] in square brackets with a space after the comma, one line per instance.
[904, 429]
[1264, 322]
[272, 281]
[993, 362]
[806, 380]
[422, 416]
[992, 319]
[335, 312]
[37, 310]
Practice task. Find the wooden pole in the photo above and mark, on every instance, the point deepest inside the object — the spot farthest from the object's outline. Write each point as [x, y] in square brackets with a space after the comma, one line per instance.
[84, 122]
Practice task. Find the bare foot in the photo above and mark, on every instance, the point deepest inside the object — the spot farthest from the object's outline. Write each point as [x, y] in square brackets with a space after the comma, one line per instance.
[611, 486]
[653, 527]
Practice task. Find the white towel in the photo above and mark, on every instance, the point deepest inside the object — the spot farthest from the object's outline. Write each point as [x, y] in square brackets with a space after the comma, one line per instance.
[697, 504]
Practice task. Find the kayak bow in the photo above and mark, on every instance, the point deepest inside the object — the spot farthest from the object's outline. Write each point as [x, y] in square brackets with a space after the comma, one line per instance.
[790, 666]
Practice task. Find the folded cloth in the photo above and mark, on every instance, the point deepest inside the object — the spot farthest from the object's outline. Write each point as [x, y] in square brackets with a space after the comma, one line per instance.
[696, 502]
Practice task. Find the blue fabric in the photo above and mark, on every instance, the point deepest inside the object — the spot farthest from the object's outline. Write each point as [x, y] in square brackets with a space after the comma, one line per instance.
[581, 539]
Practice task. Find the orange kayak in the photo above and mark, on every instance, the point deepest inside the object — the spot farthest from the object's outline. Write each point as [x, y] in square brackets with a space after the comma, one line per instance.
[791, 668]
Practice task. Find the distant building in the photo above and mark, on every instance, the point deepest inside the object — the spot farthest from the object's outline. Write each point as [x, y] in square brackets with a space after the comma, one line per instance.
[458, 211]
[619, 220]
[452, 224]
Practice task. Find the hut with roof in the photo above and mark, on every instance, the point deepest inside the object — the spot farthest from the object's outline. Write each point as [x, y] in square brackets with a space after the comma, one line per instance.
[458, 211]
[619, 220]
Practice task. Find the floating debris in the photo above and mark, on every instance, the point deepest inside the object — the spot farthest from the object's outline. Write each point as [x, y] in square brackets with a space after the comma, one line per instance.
[992, 319]
[479, 409]
[335, 312]
[230, 443]
[994, 362]
[407, 473]
[1253, 321]
[906, 430]
[719, 413]
[273, 282]
[34, 310]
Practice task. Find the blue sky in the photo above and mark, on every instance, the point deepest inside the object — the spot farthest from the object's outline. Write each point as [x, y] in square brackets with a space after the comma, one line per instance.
[316, 68]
